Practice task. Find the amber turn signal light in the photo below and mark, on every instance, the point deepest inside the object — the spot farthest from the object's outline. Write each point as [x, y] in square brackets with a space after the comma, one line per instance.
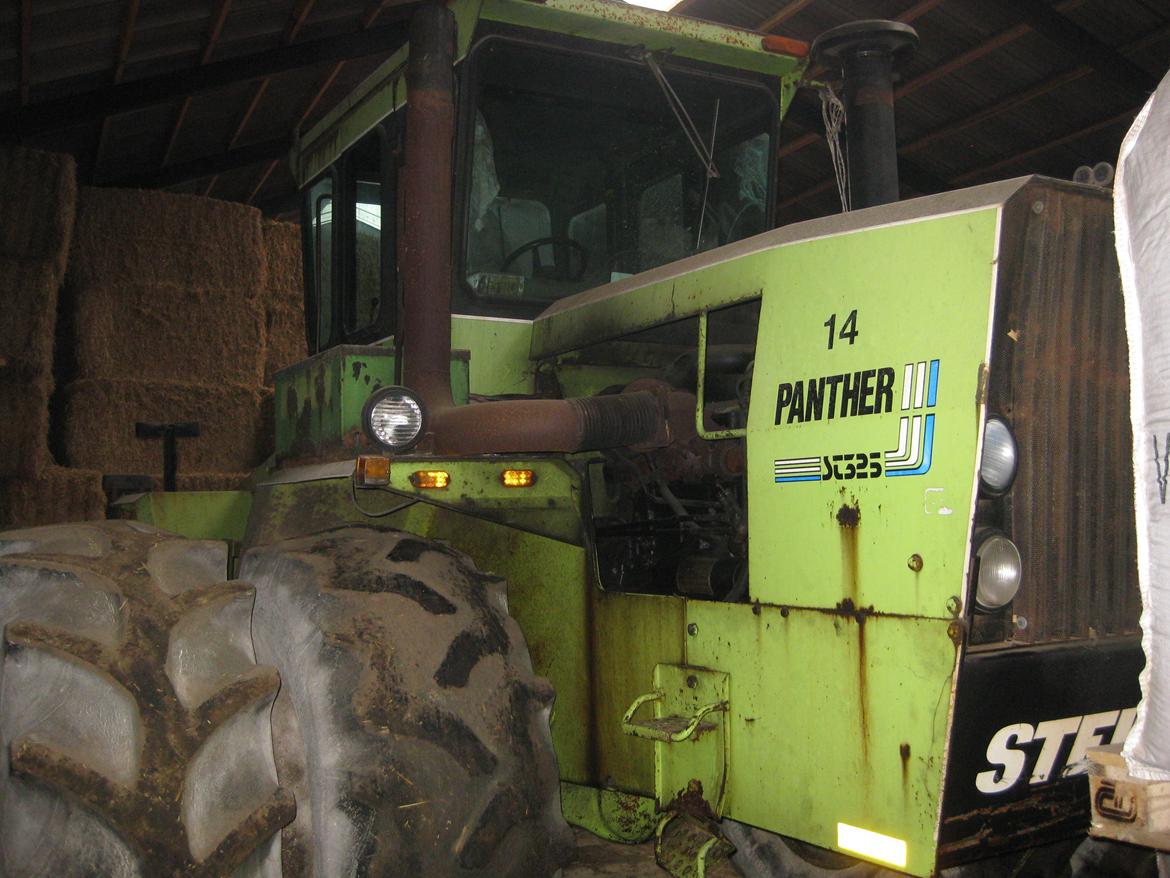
[371, 472]
[430, 478]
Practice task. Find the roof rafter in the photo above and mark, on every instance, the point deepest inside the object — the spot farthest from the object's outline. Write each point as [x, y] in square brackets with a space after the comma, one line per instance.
[1051, 143]
[1050, 23]
[25, 48]
[296, 21]
[151, 91]
[207, 166]
[1009, 102]
[215, 25]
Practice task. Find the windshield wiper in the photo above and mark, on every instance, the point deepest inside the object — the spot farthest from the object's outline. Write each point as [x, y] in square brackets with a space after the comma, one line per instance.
[675, 103]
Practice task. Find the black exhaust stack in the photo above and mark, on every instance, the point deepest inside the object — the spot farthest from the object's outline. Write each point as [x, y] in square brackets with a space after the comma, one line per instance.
[864, 51]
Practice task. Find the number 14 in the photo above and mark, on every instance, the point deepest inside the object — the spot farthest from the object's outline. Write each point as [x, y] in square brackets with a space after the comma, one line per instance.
[848, 328]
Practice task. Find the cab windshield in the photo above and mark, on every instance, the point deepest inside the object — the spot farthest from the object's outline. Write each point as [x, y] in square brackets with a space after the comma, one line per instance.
[582, 170]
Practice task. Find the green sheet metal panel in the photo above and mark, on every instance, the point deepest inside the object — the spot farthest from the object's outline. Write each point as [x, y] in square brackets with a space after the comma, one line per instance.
[499, 353]
[832, 720]
[637, 26]
[919, 297]
[319, 401]
[197, 515]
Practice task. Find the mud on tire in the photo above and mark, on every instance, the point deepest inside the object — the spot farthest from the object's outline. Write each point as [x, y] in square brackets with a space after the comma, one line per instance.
[133, 717]
[410, 725]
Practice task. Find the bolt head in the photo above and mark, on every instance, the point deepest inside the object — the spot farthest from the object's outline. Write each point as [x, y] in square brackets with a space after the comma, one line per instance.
[692, 629]
[915, 562]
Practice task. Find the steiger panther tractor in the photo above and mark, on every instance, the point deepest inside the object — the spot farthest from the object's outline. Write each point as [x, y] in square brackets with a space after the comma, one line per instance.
[602, 502]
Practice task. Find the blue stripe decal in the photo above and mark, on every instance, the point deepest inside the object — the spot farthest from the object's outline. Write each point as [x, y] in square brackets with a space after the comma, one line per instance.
[932, 393]
[927, 448]
[815, 478]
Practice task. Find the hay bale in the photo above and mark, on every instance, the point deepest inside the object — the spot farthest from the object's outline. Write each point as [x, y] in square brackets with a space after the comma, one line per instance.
[285, 342]
[57, 496]
[24, 418]
[285, 297]
[154, 239]
[38, 205]
[284, 284]
[168, 334]
[100, 415]
[28, 310]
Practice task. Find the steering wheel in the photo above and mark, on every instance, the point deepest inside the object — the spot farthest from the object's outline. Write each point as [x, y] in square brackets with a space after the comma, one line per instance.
[558, 242]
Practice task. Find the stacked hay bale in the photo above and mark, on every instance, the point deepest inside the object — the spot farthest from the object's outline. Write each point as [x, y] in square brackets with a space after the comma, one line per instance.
[169, 324]
[36, 225]
[284, 298]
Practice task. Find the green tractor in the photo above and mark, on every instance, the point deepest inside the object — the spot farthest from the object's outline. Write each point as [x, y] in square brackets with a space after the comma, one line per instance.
[822, 536]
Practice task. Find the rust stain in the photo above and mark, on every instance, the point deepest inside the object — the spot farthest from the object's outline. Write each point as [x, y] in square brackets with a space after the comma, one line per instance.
[849, 520]
[904, 752]
[863, 689]
[692, 801]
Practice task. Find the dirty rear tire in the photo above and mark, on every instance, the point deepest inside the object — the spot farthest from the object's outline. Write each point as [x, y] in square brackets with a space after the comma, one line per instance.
[133, 717]
[410, 725]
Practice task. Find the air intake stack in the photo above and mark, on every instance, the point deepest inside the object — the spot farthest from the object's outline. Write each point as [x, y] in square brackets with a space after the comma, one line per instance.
[864, 52]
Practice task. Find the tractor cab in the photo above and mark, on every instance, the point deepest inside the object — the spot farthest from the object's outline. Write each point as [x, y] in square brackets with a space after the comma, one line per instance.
[576, 163]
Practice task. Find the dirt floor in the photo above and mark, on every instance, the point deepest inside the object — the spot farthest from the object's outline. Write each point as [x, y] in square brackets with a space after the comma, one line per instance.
[606, 859]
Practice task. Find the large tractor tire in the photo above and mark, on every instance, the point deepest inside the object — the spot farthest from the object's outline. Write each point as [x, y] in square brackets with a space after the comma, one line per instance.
[134, 721]
[410, 726]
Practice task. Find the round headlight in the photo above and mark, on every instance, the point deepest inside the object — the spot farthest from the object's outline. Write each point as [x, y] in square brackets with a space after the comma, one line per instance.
[1001, 456]
[394, 418]
[998, 569]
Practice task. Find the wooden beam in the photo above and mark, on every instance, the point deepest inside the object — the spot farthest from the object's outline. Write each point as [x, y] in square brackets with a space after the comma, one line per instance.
[176, 127]
[219, 15]
[787, 11]
[207, 166]
[1051, 24]
[296, 21]
[25, 49]
[261, 180]
[317, 95]
[207, 190]
[91, 106]
[918, 10]
[125, 38]
[814, 189]
[1010, 102]
[121, 55]
[1070, 137]
[995, 108]
[257, 96]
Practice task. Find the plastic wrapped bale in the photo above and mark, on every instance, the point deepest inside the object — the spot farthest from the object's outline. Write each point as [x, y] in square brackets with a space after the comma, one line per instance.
[100, 418]
[37, 210]
[56, 496]
[156, 239]
[285, 342]
[1141, 207]
[167, 333]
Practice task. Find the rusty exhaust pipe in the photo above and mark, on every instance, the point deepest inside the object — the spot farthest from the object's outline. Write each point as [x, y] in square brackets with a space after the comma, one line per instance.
[424, 247]
[864, 52]
[425, 257]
